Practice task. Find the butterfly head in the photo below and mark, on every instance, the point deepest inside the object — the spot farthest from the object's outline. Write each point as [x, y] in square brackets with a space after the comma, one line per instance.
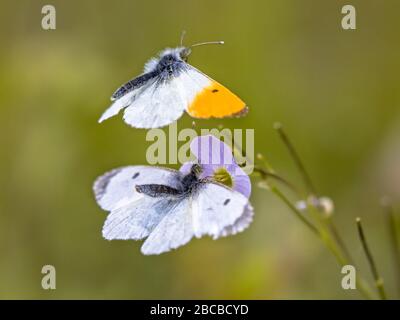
[196, 170]
[184, 53]
[191, 179]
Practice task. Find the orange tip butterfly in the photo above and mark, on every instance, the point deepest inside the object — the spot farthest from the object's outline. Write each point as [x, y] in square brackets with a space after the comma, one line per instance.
[168, 87]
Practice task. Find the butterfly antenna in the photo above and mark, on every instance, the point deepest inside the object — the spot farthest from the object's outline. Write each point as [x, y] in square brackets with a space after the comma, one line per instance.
[182, 37]
[208, 42]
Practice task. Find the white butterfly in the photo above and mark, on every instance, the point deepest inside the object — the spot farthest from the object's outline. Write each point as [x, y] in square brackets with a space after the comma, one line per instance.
[168, 87]
[168, 207]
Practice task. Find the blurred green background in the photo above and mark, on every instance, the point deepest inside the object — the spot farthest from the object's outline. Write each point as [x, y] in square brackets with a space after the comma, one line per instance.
[336, 92]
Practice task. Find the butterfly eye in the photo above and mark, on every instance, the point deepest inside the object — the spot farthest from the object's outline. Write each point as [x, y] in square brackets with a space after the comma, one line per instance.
[196, 169]
[184, 54]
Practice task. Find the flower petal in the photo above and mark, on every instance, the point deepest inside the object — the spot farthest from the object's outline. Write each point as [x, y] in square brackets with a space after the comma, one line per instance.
[211, 151]
[242, 184]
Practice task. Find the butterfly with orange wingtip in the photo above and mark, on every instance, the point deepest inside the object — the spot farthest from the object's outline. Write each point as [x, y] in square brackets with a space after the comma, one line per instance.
[168, 87]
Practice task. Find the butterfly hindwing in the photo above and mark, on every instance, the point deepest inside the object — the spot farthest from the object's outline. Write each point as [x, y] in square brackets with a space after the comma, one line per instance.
[160, 104]
[215, 208]
[240, 224]
[173, 231]
[137, 219]
[127, 93]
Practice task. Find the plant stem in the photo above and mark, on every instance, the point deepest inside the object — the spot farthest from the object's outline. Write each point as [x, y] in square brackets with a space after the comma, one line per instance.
[308, 182]
[280, 195]
[394, 236]
[339, 240]
[267, 174]
[306, 177]
[361, 284]
[378, 279]
[335, 245]
[338, 250]
[323, 232]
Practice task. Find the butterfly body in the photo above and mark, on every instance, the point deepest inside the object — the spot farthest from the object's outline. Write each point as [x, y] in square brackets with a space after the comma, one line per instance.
[189, 183]
[168, 87]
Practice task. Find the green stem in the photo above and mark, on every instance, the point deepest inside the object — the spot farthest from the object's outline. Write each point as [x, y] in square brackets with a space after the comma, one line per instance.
[310, 186]
[267, 174]
[394, 236]
[378, 279]
[339, 239]
[325, 235]
[332, 244]
[322, 232]
[300, 215]
[306, 177]
[361, 284]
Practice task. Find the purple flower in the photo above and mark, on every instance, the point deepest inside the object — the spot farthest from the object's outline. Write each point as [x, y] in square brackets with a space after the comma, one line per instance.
[218, 163]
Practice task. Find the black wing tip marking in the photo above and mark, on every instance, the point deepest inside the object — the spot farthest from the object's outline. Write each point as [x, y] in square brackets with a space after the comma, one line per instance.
[242, 112]
[101, 183]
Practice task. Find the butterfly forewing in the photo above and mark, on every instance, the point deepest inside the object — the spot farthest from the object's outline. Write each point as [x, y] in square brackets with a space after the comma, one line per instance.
[159, 105]
[137, 219]
[209, 99]
[117, 187]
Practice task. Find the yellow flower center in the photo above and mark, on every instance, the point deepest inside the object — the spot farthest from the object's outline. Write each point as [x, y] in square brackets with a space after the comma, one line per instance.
[222, 175]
